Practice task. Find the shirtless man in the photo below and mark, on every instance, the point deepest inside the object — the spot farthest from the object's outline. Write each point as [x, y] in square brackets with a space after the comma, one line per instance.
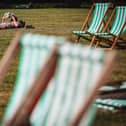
[12, 17]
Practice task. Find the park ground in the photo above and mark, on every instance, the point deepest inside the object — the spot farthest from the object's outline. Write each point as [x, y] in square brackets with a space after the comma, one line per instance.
[59, 22]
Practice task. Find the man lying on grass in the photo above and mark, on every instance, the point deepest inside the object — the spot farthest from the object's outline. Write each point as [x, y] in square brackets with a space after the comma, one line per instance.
[13, 23]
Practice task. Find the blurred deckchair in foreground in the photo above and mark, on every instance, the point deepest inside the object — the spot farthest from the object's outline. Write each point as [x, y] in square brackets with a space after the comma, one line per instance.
[34, 51]
[114, 37]
[56, 88]
[95, 23]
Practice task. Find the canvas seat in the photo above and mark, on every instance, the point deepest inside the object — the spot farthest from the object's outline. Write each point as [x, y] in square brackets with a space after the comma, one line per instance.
[97, 23]
[114, 37]
[111, 104]
[56, 87]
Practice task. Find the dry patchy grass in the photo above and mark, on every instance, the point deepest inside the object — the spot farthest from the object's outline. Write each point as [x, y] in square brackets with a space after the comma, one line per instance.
[57, 22]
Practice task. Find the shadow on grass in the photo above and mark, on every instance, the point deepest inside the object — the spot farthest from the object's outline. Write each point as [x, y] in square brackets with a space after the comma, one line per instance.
[108, 118]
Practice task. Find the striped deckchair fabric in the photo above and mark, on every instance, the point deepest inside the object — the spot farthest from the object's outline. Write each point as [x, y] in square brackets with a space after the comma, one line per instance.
[120, 20]
[117, 29]
[97, 22]
[111, 104]
[104, 107]
[69, 87]
[34, 52]
[78, 74]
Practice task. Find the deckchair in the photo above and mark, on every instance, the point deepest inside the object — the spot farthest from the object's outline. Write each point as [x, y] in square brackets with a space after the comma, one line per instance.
[113, 89]
[97, 23]
[113, 36]
[77, 73]
[34, 51]
[113, 97]
[111, 104]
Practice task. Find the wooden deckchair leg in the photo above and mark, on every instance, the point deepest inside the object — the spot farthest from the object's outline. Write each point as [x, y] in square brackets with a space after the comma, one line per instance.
[92, 41]
[77, 40]
[97, 43]
[114, 43]
[103, 20]
[110, 63]
[9, 55]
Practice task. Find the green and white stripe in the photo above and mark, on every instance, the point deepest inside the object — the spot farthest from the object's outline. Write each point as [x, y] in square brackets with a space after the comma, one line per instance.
[80, 33]
[105, 107]
[35, 50]
[119, 21]
[71, 84]
[99, 12]
[114, 103]
[107, 35]
[77, 70]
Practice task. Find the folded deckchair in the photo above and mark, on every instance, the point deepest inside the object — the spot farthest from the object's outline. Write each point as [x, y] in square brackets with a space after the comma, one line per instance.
[112, 97]
[64, 87]
[111, 104]
[114, 37]
[113, 90]
[97, 23]
[34, 51]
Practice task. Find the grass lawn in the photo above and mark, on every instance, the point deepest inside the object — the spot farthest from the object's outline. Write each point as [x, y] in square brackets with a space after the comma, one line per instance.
[57, 22]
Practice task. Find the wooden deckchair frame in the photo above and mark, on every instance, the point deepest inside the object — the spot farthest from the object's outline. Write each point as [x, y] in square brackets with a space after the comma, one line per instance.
[42, 82]
[9, 55]
[86, 22]
[86, 25]
[115, 38]
[107, 70]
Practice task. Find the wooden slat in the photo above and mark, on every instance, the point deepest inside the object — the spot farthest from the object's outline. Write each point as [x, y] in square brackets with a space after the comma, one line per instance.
[8, 57]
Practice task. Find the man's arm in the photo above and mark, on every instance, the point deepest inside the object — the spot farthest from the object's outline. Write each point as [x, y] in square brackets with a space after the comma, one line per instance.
[13, 18]
[3, 19]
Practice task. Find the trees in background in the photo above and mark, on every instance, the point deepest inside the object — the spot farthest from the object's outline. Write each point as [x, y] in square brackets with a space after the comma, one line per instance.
[60, 3]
